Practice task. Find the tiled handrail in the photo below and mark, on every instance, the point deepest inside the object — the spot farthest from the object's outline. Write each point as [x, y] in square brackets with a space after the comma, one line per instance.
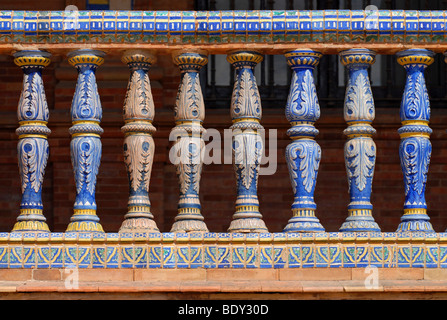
[216, 29]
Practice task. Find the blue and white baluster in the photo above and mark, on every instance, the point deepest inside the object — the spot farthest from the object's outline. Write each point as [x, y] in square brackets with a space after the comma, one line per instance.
[303, 154]
[415, 147]
[32, 148]
[86, 148]
[139, 145]
[246, 114]
[360, 149]
[188, 149]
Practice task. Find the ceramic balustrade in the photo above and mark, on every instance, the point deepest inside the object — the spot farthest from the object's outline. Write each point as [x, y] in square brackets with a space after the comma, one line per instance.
[303, 154]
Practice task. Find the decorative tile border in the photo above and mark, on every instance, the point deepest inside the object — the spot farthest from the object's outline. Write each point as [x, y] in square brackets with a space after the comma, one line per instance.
[220, 27]
[223, 250]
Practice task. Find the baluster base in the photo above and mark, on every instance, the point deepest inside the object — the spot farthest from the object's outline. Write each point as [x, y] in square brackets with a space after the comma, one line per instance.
[304, 221]
[142, 221]
[363, 223]
[247, 222]
[31, 220]
[139, 225]
[84, 226]
[84, 220]
[417, 220]
[189, 220]
[33, 226]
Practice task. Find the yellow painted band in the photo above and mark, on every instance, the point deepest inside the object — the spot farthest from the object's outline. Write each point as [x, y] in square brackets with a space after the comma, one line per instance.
[416, 122]
[31, 211]
[415, 211]
[247, 208]
[414, 134]
[36, 122]
[22, 136]
[84, 212]
[85, 122]
[86, 135]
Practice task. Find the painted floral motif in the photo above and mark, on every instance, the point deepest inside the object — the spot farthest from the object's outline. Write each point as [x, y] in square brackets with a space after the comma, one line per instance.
[245, 98]
[189, 169]
[33, 102]
[86, 104]
[138, 102]
[303, 159]
[360, 155]
[33, 156]
[189, 102]
[302, 102]
[415, 102]
[86, 158]
[247, 150]
[415, 159]
[138, 156]
[359, 102]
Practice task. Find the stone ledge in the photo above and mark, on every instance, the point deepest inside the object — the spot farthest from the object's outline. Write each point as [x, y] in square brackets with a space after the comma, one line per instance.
[85, 275]
[229, 286]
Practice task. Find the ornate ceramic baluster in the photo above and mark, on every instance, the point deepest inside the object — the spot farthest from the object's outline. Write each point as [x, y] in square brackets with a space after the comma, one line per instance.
[86, 114]
[189, 114]
[33, 147]
[415, 146]
[360, 149]
[303, 154]
[246, 113]
[138, 142]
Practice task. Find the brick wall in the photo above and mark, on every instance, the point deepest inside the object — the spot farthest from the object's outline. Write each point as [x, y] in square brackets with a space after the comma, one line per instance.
[218, 183]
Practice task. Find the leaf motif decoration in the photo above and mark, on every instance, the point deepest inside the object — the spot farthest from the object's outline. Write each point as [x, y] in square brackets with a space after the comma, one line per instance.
[86, 158]
[147, 101]
[414, 95]
[247, 158]
[33, 160]
[130, 101]
[33, 101]
[359, 102]
[189, 104]
[415, 159]
[291, 156]
[245, 98]
[292, 99]
[309, 102]
[138, 156]
[310, 155]
[360, 157]
[190, 166]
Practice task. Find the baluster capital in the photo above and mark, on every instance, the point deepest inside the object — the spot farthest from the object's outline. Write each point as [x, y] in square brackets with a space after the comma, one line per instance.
[357, 58]
[139, 59]
[32, 58]
[244, 59]
[191, 60]
[303, 58]
[86, 57]
[415, 58]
